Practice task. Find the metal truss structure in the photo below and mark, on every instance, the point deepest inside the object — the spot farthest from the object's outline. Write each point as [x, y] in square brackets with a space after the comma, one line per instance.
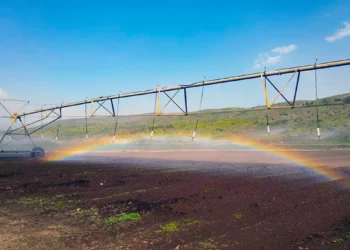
[102, 102]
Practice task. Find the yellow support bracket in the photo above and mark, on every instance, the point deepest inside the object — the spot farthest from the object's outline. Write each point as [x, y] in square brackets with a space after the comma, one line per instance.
[91, 108]
[268, 105]
[14, 119]
[47, 114]
[158, 103]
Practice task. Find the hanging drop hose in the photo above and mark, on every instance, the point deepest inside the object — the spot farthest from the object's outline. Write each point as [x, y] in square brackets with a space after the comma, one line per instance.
[41, 124]
[267, 124]
[86, 122]
[317, 120]
[58, 130]
[198, 113]
[155, 114]
[116, 121]
[25, 135]
[158, 104]
[58, 126]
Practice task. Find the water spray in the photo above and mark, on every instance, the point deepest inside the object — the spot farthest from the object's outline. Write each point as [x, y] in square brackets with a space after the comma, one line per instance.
[199, 111]
[86, 122]
[116, 119]
[157, 98]
[317, 120]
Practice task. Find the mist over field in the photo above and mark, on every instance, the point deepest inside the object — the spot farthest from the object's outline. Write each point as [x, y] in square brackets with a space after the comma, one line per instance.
[289, 128]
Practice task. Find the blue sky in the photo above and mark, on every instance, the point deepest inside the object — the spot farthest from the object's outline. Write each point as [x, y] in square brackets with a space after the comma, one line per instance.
[54, 51]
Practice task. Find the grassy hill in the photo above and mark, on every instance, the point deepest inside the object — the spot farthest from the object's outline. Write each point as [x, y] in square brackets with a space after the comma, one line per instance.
[296, 125]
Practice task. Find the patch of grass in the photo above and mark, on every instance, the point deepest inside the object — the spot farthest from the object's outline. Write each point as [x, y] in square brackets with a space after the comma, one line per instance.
[57, 227]
[89, 173]
[190, 222]
[111, 220]
[211, 190]
[29, 201]
[44, 199]
[59, 204]
[340, 240]
[44, 202]
[176, 226]
[208, 245]
[129, 217]
[123, 217]
[170, 227]
[88, 212]
[29, 239]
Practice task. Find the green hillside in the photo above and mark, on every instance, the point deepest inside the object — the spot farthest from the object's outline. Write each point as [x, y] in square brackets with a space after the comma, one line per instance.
[296, 125]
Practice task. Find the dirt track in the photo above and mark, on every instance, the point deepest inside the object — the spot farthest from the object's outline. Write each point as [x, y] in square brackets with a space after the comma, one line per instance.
[183, 204]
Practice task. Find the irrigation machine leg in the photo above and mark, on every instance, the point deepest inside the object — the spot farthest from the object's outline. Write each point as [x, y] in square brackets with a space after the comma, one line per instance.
[185, 97]
[296, 89]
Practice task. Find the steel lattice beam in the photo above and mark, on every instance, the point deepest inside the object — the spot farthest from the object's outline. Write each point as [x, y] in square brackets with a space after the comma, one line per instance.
[205, 83]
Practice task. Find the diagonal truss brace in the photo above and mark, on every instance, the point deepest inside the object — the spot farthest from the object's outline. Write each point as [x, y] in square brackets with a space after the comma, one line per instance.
[101, 105]
[171, 99]
[280, 92]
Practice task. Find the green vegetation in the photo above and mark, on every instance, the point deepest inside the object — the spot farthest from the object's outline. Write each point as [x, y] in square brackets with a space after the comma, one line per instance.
[190, 222]
[140, 191]
[170, 227]
[86, 212]
[211, 190]
[208, 245]
[123, 217]
[176, 226]
[338, 240]
[87, 173]
[29, 239]
[288, 126]
[29, 201]
[59, 204]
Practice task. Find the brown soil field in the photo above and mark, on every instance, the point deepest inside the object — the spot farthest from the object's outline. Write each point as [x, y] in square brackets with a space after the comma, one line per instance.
[174, 200]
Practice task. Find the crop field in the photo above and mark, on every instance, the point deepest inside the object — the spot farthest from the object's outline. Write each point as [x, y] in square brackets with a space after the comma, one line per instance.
[134, 200]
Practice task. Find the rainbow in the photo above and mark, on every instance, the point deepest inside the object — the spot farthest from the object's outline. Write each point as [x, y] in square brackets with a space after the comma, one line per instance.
[291, 156]
[86, 146]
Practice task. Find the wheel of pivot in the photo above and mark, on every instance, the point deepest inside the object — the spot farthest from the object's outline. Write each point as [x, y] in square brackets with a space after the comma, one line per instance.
[38, 152]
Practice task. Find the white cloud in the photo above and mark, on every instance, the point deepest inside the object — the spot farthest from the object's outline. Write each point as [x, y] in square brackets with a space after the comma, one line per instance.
[3, 94]
[273, 60]
[264, 59]
[340, 33]
[285, 49]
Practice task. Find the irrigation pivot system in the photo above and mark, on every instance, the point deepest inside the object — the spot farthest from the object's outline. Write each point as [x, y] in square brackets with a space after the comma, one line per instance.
[107, 102]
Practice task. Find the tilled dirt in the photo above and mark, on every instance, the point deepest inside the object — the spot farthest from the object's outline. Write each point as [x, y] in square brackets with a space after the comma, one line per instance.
[64, 205]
